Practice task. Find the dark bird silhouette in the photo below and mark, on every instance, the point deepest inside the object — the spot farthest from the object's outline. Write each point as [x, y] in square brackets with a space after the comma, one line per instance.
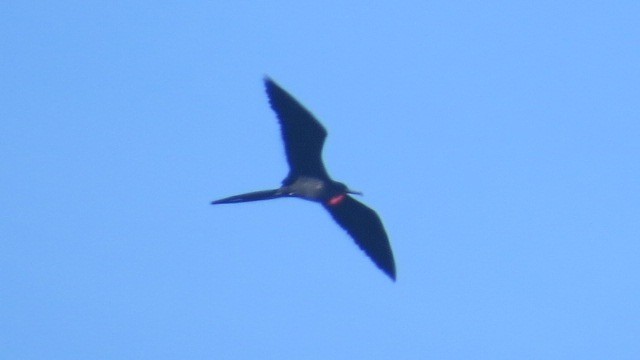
[303, 139]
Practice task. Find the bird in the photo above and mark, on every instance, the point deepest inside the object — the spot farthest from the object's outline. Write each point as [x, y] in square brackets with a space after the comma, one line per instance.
[304, 137]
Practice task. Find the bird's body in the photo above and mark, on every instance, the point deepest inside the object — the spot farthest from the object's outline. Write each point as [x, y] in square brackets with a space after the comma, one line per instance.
[304, 138]
[314, 189]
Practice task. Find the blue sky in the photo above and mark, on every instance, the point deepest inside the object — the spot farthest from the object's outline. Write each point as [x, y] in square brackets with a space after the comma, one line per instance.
[499, 141]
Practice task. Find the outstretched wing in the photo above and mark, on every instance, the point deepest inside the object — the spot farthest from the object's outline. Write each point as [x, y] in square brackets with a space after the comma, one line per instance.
[365, 227]
[303, 135]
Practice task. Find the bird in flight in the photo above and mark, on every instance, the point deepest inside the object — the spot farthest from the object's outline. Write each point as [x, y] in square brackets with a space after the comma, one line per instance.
[304, 137]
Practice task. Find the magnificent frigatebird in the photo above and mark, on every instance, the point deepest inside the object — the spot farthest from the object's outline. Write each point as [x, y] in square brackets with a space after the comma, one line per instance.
[303, 137]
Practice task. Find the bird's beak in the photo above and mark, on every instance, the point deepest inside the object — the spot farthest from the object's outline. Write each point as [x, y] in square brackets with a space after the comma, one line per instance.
[354, 192]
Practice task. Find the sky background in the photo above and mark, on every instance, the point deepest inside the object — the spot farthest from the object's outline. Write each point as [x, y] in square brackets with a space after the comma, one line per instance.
[498, 140]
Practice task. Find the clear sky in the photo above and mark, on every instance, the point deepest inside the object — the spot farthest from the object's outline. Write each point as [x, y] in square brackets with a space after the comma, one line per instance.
[498, 140]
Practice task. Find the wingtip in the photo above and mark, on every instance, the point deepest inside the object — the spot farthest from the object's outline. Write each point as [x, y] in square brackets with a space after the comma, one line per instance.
[392, 275]
[268, 80]
[272, 86]
[269, 85]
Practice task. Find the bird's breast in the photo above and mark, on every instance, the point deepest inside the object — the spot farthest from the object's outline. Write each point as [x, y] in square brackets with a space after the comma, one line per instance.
[310, 189]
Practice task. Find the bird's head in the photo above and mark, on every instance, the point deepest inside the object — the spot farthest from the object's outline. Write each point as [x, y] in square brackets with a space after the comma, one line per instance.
[342, 188]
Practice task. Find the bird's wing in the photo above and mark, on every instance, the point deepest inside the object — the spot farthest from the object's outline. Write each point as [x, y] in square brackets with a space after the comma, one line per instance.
[303, 135]
[365, 227]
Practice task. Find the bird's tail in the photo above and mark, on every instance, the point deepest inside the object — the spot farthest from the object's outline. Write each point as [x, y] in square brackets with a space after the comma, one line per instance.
[252, 196]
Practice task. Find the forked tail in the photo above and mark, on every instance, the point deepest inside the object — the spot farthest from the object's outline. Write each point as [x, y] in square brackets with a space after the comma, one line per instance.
[252, 196]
